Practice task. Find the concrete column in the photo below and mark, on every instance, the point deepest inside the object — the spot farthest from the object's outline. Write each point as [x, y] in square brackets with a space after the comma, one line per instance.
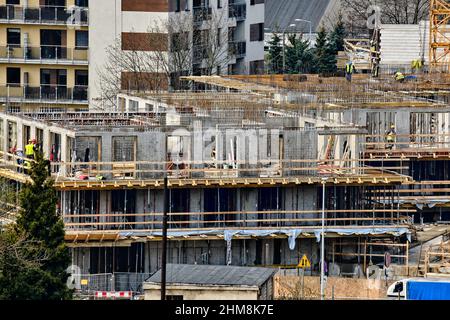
[196, 205]
[5, 135]
[46, 143]
[20, 143]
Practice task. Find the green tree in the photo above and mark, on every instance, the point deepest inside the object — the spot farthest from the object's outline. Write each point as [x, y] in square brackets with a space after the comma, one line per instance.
[338, 35]
[325, 57]
[42, 231]
[299, 56]
[276, 54]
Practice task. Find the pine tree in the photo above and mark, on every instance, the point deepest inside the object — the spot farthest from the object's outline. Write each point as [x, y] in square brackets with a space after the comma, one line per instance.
[299, 57]
[275, 55]
[325, 57]
[39, 222]
[338, 35]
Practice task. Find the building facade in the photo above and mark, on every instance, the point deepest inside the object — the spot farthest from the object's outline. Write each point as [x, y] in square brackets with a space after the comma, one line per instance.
[44, 54]
[53, 54]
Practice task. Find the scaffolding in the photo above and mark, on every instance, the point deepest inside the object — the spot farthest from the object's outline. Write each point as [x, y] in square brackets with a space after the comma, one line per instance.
[439, 35]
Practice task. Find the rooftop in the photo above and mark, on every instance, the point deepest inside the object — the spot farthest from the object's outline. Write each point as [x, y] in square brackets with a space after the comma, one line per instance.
[214, 275]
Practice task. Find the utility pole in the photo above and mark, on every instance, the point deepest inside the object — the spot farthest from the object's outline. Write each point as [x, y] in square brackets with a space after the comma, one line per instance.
[164, 241]
[322, 246]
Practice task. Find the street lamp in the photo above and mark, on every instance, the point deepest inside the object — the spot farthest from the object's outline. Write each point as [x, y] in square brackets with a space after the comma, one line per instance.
[310, 28]
[322, 245]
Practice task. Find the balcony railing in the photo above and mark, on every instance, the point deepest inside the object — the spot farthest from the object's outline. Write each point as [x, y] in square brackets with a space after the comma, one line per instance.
[57, 53]
[45, 14]
[201, 14]
[237, 11]
[237, 49]
[178, 221]
[52, 93]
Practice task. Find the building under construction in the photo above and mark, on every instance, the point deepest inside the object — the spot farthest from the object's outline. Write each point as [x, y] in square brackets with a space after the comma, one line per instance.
[248, 160]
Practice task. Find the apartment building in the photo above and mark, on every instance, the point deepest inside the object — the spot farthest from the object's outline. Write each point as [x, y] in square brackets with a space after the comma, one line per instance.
[44, 54]
[238, 28]
[53, 53]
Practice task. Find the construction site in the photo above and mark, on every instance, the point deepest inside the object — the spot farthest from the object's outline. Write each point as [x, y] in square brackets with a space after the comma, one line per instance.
[252, 162]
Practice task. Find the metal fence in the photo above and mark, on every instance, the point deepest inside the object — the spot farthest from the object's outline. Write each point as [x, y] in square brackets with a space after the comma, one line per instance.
[88, 284]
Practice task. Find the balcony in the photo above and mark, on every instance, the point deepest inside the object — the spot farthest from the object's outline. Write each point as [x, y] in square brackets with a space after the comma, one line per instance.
[44, 55]
[201, 14]
[44, 15]
[237, 49]
[200, 53]
[44, 93]
[237, 11]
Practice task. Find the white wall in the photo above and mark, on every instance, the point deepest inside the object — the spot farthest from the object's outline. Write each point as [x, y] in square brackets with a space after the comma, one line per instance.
[401, 44]
[107, 22]
[105, 27]
[141, 21]
[255, 50]
[192, 292]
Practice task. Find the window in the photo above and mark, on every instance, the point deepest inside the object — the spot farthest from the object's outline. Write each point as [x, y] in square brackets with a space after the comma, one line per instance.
[133, 106]
[257, 67]
[124, 149]
[81, 78]
[12, 2]
[178, 6]
[257, 32]
[149, 107]
[13, 77]
[13, 37]
[219, 4]
[253, 2]
[82, 3]
[186, 5]
[81, 39]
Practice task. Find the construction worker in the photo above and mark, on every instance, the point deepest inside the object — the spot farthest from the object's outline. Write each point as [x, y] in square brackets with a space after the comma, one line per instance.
[30, 149]
[390, 137]
[349, 70]
[416, 65]
[399, 77]
[19, 160]
[27, 167]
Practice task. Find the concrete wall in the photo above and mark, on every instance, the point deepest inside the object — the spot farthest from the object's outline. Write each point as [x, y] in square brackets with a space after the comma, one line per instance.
[401, 44]
[192, 292]
[291, 287]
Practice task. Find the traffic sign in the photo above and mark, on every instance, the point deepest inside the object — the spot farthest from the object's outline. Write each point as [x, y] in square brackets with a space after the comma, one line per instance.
[304, 262]
[387, 259]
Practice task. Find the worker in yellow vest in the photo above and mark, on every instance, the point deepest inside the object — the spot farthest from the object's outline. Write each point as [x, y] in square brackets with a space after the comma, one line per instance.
[349, 70]
[399, 77]
[29, 149]
[416, 65]
[27, 167]
[390, 137]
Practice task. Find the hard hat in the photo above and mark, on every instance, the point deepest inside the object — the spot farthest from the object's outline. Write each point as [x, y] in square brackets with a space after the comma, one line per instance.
[29, 140]
[392, 126]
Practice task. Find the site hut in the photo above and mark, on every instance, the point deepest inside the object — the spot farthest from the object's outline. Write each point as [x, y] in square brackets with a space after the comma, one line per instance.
[211, 282]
